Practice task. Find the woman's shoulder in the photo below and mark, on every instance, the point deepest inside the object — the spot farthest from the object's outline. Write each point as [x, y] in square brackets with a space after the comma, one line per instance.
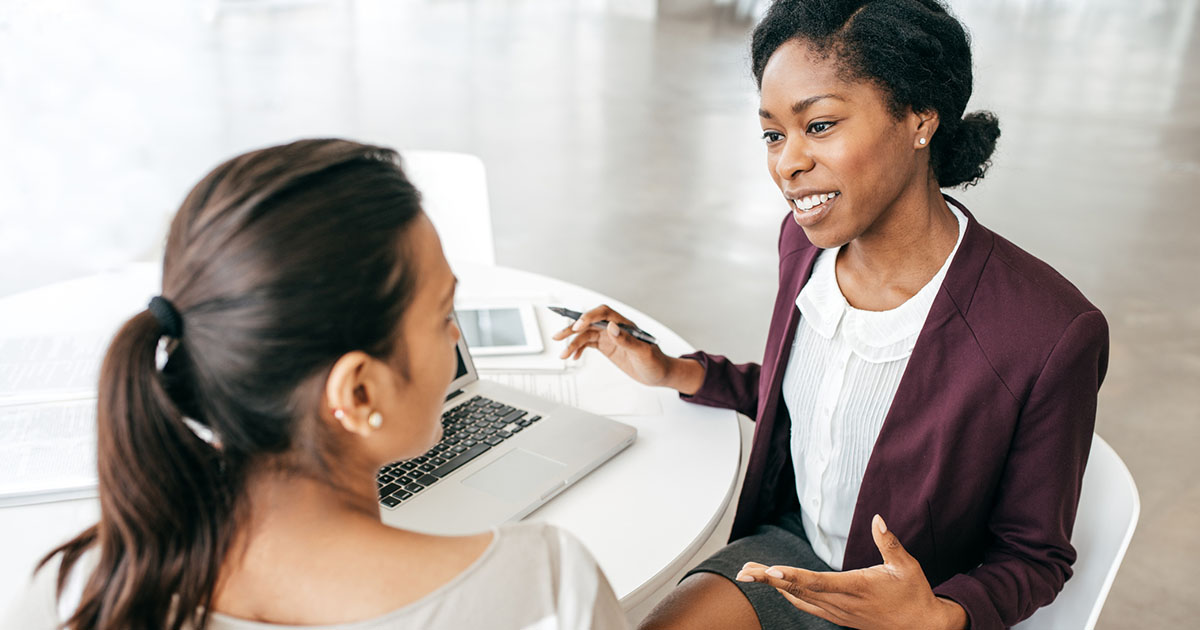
[1015, 290]
[542, 543]
[1020, 310]
[1022, 271]
[534, 575]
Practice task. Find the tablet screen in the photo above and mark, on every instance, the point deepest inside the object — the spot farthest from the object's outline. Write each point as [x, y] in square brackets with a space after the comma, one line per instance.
[491, 327]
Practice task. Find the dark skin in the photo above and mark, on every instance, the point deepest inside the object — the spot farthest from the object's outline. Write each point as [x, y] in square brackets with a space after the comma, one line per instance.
[856, 175]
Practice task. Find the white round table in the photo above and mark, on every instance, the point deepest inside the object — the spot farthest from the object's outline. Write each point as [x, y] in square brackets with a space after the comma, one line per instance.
[643, 514]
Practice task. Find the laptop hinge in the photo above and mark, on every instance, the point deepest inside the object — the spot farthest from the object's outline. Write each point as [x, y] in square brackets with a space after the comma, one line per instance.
[453, 394]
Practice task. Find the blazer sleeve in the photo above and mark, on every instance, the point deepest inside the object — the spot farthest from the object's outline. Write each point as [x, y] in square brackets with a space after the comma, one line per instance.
[727, 385]
[1030, 554]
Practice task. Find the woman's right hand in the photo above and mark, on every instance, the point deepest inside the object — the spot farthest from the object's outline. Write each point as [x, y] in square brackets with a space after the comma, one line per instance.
[644, 362]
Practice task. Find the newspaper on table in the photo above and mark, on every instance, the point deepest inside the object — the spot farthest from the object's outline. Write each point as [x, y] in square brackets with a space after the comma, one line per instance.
[48, 416]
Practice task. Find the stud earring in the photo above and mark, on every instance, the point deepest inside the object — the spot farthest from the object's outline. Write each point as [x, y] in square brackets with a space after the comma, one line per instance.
[339, 414]
[375, 420]
[922, 141]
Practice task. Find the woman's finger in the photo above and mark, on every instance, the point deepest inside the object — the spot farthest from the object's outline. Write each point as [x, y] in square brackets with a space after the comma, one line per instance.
[590, 317]
[574, 345]
[752, 572]
[813, 586]
[623, 339]
[600, 313]
[564, 333]
[581, 341]
[894, 554]
[824, 611]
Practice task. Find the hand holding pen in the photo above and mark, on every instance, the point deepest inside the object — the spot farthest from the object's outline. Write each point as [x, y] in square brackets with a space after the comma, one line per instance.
[630, 348]
[634, 331]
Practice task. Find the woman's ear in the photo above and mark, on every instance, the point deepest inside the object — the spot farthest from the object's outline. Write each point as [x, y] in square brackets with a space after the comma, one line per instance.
[347, 394]
[924, 125]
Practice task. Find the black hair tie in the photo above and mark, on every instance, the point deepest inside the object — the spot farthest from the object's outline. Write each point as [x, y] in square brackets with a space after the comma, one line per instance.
[168, 318]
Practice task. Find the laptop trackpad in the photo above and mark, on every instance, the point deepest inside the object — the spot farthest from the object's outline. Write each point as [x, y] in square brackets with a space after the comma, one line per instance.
[517, 475]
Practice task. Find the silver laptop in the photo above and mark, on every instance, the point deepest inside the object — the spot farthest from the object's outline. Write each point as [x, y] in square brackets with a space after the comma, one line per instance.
[504, 453]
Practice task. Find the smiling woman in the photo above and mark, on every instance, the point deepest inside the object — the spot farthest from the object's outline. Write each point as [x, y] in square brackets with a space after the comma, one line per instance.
[926, 401]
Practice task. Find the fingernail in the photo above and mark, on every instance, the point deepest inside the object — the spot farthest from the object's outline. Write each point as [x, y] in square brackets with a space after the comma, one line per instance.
[578, 325]
[741, 577]
[882, 525]
[775, 573]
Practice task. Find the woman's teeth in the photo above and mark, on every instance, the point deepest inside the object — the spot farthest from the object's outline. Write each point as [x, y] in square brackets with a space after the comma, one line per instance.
[812, 201]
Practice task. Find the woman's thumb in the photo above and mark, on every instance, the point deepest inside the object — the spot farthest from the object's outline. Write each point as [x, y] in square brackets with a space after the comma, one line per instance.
[617, 334]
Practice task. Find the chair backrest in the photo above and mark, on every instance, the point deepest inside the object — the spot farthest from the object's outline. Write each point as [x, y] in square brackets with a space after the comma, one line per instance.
[1108, 514]
[454, 194]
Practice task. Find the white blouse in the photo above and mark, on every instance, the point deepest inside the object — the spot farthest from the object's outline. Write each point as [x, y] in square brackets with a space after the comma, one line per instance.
[844, 370]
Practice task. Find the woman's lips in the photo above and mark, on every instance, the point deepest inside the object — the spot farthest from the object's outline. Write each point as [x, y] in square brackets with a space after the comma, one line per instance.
[809, 210]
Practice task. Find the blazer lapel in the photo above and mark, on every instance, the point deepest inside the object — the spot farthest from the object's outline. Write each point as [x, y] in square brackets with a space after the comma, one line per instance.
[794, 277]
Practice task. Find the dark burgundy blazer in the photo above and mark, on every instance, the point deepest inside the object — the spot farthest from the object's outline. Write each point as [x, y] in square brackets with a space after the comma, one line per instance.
[978, 465]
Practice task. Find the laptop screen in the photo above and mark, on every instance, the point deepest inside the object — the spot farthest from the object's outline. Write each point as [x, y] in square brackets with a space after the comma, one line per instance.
[462, 365]
[466, 368]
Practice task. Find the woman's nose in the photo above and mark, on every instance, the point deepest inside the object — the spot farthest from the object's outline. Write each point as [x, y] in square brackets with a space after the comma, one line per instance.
[793, 160]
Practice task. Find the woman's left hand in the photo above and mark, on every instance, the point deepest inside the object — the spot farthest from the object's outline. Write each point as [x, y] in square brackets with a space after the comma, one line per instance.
[894, 594]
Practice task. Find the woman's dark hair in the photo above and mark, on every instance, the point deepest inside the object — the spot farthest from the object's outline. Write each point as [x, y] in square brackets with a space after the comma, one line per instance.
[279, 262]
[913, 50]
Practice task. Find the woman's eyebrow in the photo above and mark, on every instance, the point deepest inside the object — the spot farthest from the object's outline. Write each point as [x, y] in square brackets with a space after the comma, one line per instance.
[800, 106]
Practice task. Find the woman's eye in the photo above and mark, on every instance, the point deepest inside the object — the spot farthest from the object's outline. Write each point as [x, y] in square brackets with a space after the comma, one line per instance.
[771, 137]
[820, 127]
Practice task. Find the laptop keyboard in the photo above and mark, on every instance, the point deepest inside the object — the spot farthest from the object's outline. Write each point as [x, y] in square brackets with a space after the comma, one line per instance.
[469, 430]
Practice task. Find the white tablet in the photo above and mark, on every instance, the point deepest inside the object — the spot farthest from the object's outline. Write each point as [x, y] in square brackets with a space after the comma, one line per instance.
[500, 329]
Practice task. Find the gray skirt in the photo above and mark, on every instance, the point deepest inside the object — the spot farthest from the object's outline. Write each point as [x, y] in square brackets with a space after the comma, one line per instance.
[780, 543]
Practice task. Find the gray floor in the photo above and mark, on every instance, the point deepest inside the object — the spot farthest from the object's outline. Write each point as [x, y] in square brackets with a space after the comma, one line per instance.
[624, 155]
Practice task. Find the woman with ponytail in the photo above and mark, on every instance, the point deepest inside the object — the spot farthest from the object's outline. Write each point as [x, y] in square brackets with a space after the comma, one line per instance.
[304, 337]
[925, 405]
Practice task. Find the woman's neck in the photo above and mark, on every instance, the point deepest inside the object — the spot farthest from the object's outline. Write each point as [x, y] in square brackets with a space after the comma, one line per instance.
[280, 495]
[900, 253]
[283, 513]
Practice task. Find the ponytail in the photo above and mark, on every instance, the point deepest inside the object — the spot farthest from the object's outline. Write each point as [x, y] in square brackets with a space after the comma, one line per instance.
[165, 522]
[265, 302]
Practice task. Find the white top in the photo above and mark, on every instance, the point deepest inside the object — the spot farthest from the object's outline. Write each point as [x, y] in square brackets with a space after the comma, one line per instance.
[843, 373]
[533, 576]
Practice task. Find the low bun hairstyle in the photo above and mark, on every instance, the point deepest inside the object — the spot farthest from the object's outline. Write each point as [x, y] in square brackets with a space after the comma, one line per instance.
[913, 50]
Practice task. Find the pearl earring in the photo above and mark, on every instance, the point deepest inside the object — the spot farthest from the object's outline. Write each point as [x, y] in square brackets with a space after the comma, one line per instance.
[375, 420]
[339, 414]
[922, 141]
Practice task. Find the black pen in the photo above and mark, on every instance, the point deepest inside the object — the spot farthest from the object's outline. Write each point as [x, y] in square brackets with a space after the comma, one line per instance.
[636, 333]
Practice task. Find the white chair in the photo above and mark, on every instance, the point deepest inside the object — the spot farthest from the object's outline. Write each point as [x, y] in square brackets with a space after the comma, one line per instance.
[454, 194]
[1108, 514]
